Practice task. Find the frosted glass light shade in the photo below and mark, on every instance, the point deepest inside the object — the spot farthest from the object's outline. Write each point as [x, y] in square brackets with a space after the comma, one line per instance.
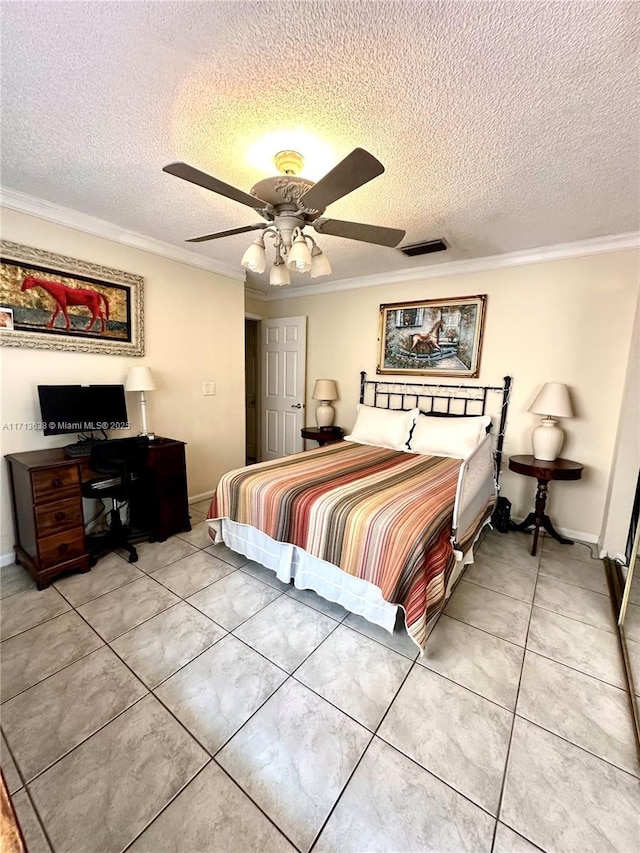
[299, 258]
[279, 275]
[319, 263]
[255, 258]
[139, 379]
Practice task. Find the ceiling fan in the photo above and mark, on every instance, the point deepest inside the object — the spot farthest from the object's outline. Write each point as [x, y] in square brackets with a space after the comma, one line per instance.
[289, 203]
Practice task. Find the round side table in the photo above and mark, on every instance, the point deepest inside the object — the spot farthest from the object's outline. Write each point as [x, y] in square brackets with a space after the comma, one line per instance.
[544, 472]
[323, 435]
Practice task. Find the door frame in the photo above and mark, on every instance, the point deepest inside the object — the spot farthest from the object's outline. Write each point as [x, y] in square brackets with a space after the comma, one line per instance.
[257, 318]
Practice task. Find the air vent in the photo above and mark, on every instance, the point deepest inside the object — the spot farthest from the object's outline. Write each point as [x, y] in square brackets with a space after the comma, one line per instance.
[424, 248]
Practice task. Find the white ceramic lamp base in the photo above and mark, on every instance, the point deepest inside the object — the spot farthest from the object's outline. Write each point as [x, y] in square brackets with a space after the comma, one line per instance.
[325, 414]
[547, 440]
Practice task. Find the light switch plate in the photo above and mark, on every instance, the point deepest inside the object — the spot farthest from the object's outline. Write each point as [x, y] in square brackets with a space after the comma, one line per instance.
[209, 388]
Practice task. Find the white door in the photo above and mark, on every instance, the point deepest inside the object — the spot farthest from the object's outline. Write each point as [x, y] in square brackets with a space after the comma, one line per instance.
[284, 350]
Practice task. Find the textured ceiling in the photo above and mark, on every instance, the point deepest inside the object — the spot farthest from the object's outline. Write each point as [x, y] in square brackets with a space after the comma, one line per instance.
[502, 125]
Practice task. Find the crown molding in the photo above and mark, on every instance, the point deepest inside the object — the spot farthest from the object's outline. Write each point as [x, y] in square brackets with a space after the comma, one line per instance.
[51, 212]
[259, 295]
[560, 251]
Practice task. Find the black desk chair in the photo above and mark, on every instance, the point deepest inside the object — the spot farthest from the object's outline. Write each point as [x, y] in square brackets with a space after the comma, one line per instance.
[121, 464]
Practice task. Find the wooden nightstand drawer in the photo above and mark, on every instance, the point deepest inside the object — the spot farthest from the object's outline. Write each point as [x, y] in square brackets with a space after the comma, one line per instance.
[61, 547]
[56, 483]
[59, 516]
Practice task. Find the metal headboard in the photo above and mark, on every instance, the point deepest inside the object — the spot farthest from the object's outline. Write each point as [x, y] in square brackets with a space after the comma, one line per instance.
[447, 399]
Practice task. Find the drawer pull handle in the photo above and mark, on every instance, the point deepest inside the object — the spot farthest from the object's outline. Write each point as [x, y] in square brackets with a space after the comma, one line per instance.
[56, 483]
[60, 516]
[62, 548]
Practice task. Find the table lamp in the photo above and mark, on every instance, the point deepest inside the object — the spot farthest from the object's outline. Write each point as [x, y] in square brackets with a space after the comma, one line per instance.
[552, 402]
[141, 379]
[325, 391]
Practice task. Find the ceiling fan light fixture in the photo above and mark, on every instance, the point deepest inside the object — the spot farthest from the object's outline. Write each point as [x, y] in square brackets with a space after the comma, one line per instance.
[319, 263]
[279, 274]
[299, 257]
[255, 258]
[288, 204]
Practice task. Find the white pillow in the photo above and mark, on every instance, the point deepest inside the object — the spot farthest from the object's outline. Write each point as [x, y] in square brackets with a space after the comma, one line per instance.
[457, 437]
[383, 427]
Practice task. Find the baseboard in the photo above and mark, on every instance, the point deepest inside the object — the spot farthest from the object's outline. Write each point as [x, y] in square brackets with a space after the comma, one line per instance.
[203, 496]
[580, 535]
[7, 559]
[621, 559]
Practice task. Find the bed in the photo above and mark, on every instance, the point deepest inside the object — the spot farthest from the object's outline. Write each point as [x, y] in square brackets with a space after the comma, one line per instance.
[385, 519]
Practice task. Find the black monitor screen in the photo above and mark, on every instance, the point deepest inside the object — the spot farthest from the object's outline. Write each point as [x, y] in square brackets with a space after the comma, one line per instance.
[82, 408]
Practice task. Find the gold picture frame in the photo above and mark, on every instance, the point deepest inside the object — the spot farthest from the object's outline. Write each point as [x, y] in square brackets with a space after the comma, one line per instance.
[434, 337]
[55, 302]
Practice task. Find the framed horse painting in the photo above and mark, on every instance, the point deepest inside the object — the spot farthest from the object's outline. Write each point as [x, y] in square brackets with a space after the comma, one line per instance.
[59, 303]
[438, 337]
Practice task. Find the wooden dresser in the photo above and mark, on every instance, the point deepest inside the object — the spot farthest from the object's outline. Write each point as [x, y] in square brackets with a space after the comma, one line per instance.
[47, 505]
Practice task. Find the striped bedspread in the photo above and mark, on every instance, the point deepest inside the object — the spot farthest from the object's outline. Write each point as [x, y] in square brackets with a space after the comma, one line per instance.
[378, 514]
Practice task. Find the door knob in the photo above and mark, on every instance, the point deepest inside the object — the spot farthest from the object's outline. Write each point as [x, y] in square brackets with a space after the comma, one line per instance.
[296, 406]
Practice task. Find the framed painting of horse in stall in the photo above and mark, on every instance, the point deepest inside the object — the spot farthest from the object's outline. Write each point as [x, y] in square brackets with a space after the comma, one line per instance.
[437, 337]
[61, 303]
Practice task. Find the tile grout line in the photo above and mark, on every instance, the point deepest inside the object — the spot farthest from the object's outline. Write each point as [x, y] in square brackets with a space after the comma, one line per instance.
[541, 654]
[150, 692]
[192, 735]
[38, 818]
[491, 589]
[513, 720]
[373, 736]
[574, 669]
[166, 806]
[484, 630]
[573, 618]
[634, 776]
[291, 675]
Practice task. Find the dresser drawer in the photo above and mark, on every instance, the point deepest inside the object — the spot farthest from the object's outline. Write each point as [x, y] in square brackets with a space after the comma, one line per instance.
[61, 547]
[58, 516]
[56, 483]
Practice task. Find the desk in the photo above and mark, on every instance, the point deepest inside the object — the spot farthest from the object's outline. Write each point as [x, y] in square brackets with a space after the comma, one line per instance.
[559, 469]
[47, 505]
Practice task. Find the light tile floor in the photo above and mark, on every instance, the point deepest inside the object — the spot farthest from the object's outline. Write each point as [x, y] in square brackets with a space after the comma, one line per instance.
[193, 703]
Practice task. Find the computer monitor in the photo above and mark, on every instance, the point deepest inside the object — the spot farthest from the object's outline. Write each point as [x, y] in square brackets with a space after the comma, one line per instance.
[82, 408]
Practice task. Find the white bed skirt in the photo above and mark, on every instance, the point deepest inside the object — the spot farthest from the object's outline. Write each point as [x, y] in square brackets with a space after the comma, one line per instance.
[291, 563]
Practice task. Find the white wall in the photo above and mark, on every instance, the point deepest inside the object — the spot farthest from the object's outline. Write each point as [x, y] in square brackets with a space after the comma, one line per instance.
[567, 320]
[194, 330]
[626, 465]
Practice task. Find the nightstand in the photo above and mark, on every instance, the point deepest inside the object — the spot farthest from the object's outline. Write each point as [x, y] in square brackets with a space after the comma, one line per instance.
[323, 435]
[544, 472]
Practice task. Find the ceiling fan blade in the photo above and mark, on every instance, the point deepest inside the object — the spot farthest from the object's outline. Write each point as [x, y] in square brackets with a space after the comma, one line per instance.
[356, 169]
[201, 179]
[227, 233]
[359, 231]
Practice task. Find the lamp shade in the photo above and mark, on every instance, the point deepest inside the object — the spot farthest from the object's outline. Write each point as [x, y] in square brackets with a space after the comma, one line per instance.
[552, 401]
[255, 258]
[140, 379]
[299, 255]
[325, 389]
[319, 263]
[279, 275]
